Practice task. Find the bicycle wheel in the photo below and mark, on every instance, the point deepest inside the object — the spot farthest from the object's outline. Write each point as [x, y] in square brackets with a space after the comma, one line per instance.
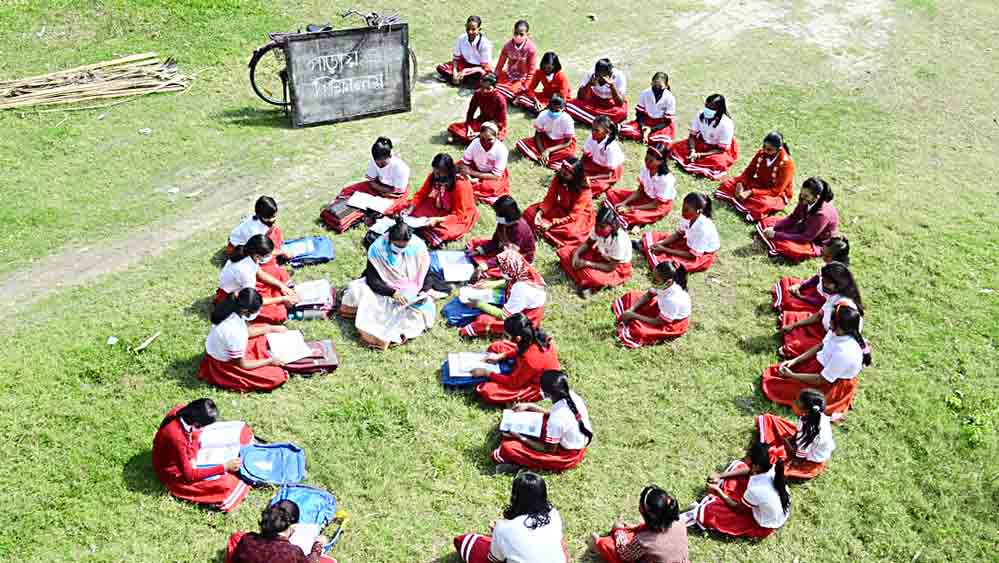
[268, 72]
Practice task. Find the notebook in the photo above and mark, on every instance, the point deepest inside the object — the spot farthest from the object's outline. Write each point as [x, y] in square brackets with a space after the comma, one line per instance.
[455, 265]
[219, 442]
[304, 535]
[461, 364]
[385, 223]
[316, 292]
[468, 294]
[362, 200]
[527, 423]
[288, 346]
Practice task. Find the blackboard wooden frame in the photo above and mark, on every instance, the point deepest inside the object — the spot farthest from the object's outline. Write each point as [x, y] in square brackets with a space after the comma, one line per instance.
[406, 105]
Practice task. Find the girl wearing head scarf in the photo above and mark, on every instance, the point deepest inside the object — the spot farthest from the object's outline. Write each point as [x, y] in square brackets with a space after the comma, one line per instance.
[525, 293]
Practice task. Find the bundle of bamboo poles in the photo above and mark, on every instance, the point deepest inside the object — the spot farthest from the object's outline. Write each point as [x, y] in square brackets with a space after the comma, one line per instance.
[135, 75]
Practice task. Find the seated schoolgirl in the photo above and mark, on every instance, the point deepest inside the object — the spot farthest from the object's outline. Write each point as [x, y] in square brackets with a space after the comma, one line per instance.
[793, 294]
[552, 80]
[271, 545]
[529, 532]
[486, 105]
[447, 200]
[766, 185]
[602, 93]
[262, 222]
[554, 137]
[803, 329]
[175, 449]
[603, 259]
[660, 538]
[516, 63]
[532, 352]
[472, 58]
[831, 366]
[658, 315]
[809, 443]
[710, 148]
[512, 231]
[566, 435]
[244, 270]
[387, 176]
[236, 355]
[746, 500]
[484, 164]
[565, 216]
[393, 302]
[525, 293]
[655, 114]
[695, 241]
[656, 191]
[800, 235]
[603, 158]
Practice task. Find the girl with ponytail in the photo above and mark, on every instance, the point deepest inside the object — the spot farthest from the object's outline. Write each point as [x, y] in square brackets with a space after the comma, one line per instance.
[601, 94]
[830, 367]
[710, 148]
[532, 353]
[656, 191]
[801, 235]
[809, 444]
[658, 315]
[694, 243]
[525, 293]
[661, 538]
[603, 260]
[566, 435]
[655, 114]
[387, 176]
[793, 294]
[243, 270]
[263, 222]
[766, 186]
[801, 330]
[603, 158]
[271, 545]
[565, 216]
[747, 499]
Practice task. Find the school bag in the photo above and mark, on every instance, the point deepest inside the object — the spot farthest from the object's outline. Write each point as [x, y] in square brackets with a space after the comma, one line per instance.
[458, 314]
[318, 301]
[323, 360]
[456, 383]
[272, 464]
[316, 507]
[310, 250]
[338, 217]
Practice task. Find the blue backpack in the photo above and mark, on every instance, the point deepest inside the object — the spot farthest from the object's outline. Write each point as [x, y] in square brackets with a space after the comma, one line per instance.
[506, 366]
[272, 464]
[458, 314]
[315, 506]
[310, 250]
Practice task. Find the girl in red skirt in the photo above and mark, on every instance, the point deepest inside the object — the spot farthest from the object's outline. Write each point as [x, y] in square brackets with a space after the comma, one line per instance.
[831, 366]
[484, 164]
[601, 94]
[710, 148]
[746, 500]
[262, 222]
[525, 293]
[809, 443]
[766, 185]
[603, 158]
[387, 176]
[655, 115]
[236, 356]
[661, 538]
[516, 62]
[447, 200]
[243, 270]
[532, 352]
[695, 241]
[490, 106]
[793, 294]
[802, 330]
[552, 80]
[800, 235]
[554, 137]
[604, 258]
[566, 435]
[660, 314]
[472, 58]
[175, 449]
[656, 191]
[565, 216]
[512, 231]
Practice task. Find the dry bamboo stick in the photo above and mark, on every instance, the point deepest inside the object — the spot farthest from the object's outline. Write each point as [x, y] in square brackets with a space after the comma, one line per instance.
[176, 87]
[123, 60]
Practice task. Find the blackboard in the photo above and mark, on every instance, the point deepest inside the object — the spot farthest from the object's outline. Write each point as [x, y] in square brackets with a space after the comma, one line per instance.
[348, 74]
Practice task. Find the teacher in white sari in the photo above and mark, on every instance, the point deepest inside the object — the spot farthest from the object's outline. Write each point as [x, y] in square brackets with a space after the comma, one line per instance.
[388, 304]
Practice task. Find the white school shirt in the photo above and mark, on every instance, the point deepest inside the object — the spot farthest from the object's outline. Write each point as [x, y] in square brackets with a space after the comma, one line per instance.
[559, 128]
[761, 494]
[524, 296]
[607, 155]
[659, 188]
[617, 77]
[665, 107]
[227, 340]
[249, 227]
[238, 275]
[513, 542]
[841, 357]
[492, 161]
[395, 173]
[702, 236]
[476, 54]
[615, 246]
[720, 135]
[830, 305]
[674, 302]
[821, 448]
[563, 428]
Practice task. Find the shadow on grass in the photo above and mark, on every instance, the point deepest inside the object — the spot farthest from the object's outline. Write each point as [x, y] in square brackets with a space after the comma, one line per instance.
[449, 558]
[481, 456]
[219, 258]
[139, 476]
[254, 117]
[185, 371]
[749, 249]
[201, 307]
[441, 138]
[759, 344]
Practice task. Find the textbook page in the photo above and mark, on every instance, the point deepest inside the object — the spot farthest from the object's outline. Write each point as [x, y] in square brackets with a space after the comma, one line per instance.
[461, 364]
[288, 346]
[304, 536]
[527, 423]
[385, 223]
[455, 265]
[362, 200]
[316, 292]
[219, 442]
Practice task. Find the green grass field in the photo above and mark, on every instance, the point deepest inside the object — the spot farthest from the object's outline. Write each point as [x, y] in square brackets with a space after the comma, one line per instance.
[890, 101]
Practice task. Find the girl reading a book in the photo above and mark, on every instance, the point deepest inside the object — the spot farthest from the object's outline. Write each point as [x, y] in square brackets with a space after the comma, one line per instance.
[532, 352]
[447, 200]
[245, 269]
[262, 222]
[387, 176]
[272, 545]
[525, 293]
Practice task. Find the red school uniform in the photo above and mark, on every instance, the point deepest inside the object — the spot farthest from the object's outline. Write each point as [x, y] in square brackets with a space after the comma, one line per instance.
[714, 514]
[550, 131]
[570, 213]
[252, 226]
[770, 181]
[475, 57]
[655, 189]
[533, 100]
[560, 427]
[489, 106]
[227, 342]
[809, 299]
[492, 161]
[523, 383]
[598, 101]
[700, 239]
[800, 235]
[457, 206]
[659, 116]
[708, 136]
[616, 246]
[672, 306]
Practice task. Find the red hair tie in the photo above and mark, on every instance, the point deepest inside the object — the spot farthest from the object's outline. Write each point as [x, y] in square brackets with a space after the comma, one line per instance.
[776, 453]
[579, 418]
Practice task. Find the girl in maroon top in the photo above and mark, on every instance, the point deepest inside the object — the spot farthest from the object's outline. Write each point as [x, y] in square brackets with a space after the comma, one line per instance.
[800, 235]
[516, 62]
[271, 545]
[512, 230]
[490, 106]
[660, 539]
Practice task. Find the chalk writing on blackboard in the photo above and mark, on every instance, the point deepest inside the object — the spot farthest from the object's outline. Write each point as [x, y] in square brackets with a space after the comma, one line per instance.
[329, 87]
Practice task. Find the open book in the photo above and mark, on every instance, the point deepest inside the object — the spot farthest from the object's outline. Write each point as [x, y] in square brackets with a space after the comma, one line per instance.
[288, 346]
[219, 443]
[316, 292]
[385, 223]
[468, 294]
[527, 423]
[461, 364]
[455, 265]
[304, 535]
[363, 200]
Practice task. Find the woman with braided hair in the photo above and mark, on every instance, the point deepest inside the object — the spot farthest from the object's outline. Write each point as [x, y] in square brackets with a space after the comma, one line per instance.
[532, 352]
[659, 539]
[809, 444]
[800, 235]
[604, 258]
